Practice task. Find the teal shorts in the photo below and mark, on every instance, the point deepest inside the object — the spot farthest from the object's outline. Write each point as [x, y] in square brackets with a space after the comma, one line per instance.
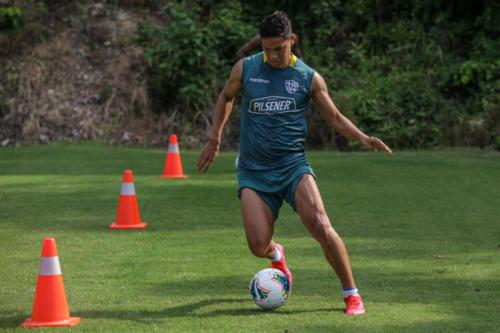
[274, 187]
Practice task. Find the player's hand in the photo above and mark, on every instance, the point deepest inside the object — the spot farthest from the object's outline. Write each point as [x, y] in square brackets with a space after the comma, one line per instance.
[375, 144]
[208, 155]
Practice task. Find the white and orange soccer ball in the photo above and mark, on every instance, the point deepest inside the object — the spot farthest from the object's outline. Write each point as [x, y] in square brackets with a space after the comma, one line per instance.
[269, 288]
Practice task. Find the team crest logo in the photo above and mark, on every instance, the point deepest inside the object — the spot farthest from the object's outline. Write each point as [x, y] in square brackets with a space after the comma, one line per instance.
[291, 86]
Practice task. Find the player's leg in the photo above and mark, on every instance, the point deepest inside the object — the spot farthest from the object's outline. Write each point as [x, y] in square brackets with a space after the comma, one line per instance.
[259, 219]
[309, 206]
[311, 210]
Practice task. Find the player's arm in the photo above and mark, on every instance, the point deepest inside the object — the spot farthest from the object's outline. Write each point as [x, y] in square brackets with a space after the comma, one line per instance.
[223, 108]
[337, 120]
[248, 47]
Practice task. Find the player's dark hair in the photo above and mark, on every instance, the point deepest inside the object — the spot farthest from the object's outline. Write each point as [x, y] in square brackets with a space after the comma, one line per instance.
[276, 25]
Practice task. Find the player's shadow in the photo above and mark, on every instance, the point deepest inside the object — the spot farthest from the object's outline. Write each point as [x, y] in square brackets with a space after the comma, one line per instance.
[196, 310]
[256, 311]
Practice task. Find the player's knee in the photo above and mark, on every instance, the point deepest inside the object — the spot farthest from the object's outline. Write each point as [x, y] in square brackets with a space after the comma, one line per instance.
[322, 229]
[259, 248]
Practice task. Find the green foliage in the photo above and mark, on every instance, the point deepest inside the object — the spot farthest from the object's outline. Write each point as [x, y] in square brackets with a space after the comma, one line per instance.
[22, 26]
[418, 74]
[191, 57]
[11, 18]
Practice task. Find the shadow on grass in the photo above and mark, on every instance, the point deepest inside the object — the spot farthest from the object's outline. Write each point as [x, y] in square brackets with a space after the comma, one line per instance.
[13, 320]
[83, 209]
[95, 159]
[192, 309]
[10, 319]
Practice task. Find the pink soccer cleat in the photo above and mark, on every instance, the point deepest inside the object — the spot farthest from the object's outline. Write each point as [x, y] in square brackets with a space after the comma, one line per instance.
[281, 264]
[354, 305]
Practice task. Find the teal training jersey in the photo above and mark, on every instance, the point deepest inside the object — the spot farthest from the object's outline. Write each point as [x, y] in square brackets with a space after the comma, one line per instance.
[273, 124]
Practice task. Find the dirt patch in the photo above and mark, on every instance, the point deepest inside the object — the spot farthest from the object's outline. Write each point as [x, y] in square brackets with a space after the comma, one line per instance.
[87, 81]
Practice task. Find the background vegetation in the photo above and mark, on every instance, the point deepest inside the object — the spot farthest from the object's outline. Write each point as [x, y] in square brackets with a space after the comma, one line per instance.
[417, 73]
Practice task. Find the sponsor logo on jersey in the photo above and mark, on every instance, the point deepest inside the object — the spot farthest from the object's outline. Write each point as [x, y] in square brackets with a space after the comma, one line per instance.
[272, 105]
[291, 86]
[256, 80]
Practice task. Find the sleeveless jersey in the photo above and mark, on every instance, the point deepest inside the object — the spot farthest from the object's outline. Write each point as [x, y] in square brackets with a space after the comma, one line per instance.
[273, 124]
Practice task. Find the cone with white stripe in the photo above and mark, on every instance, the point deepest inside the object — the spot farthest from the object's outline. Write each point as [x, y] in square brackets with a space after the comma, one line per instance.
[128, 216]
[173, 163]
[51, 306]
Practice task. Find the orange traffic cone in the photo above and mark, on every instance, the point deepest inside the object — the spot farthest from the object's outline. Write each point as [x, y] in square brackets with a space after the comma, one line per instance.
[50, 307]
[173, 164]
[128, 216]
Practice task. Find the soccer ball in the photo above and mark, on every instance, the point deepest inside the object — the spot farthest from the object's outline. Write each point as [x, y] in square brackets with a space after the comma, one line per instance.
[269, 288]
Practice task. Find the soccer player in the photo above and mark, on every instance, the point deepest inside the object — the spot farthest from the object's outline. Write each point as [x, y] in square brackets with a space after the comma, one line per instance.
[272, 166]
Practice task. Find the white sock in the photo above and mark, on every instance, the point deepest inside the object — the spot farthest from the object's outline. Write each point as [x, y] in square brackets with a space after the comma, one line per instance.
[276, 255]
[349, 291]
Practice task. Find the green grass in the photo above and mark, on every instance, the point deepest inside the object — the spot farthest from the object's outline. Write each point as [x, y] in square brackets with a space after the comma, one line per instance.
[422, 230]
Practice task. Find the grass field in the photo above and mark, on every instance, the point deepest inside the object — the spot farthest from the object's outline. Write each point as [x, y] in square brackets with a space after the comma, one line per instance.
[422, 230]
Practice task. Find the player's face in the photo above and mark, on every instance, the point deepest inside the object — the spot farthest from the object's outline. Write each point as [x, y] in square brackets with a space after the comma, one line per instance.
[277, 50]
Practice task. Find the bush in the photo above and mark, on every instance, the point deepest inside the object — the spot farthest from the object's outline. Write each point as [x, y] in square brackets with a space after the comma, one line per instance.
[191, 57]
[11, 18]
[418, 74]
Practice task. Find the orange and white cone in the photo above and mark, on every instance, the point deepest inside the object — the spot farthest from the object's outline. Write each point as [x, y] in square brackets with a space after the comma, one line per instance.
[173, 163]
[51, 306]
[127, 216]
